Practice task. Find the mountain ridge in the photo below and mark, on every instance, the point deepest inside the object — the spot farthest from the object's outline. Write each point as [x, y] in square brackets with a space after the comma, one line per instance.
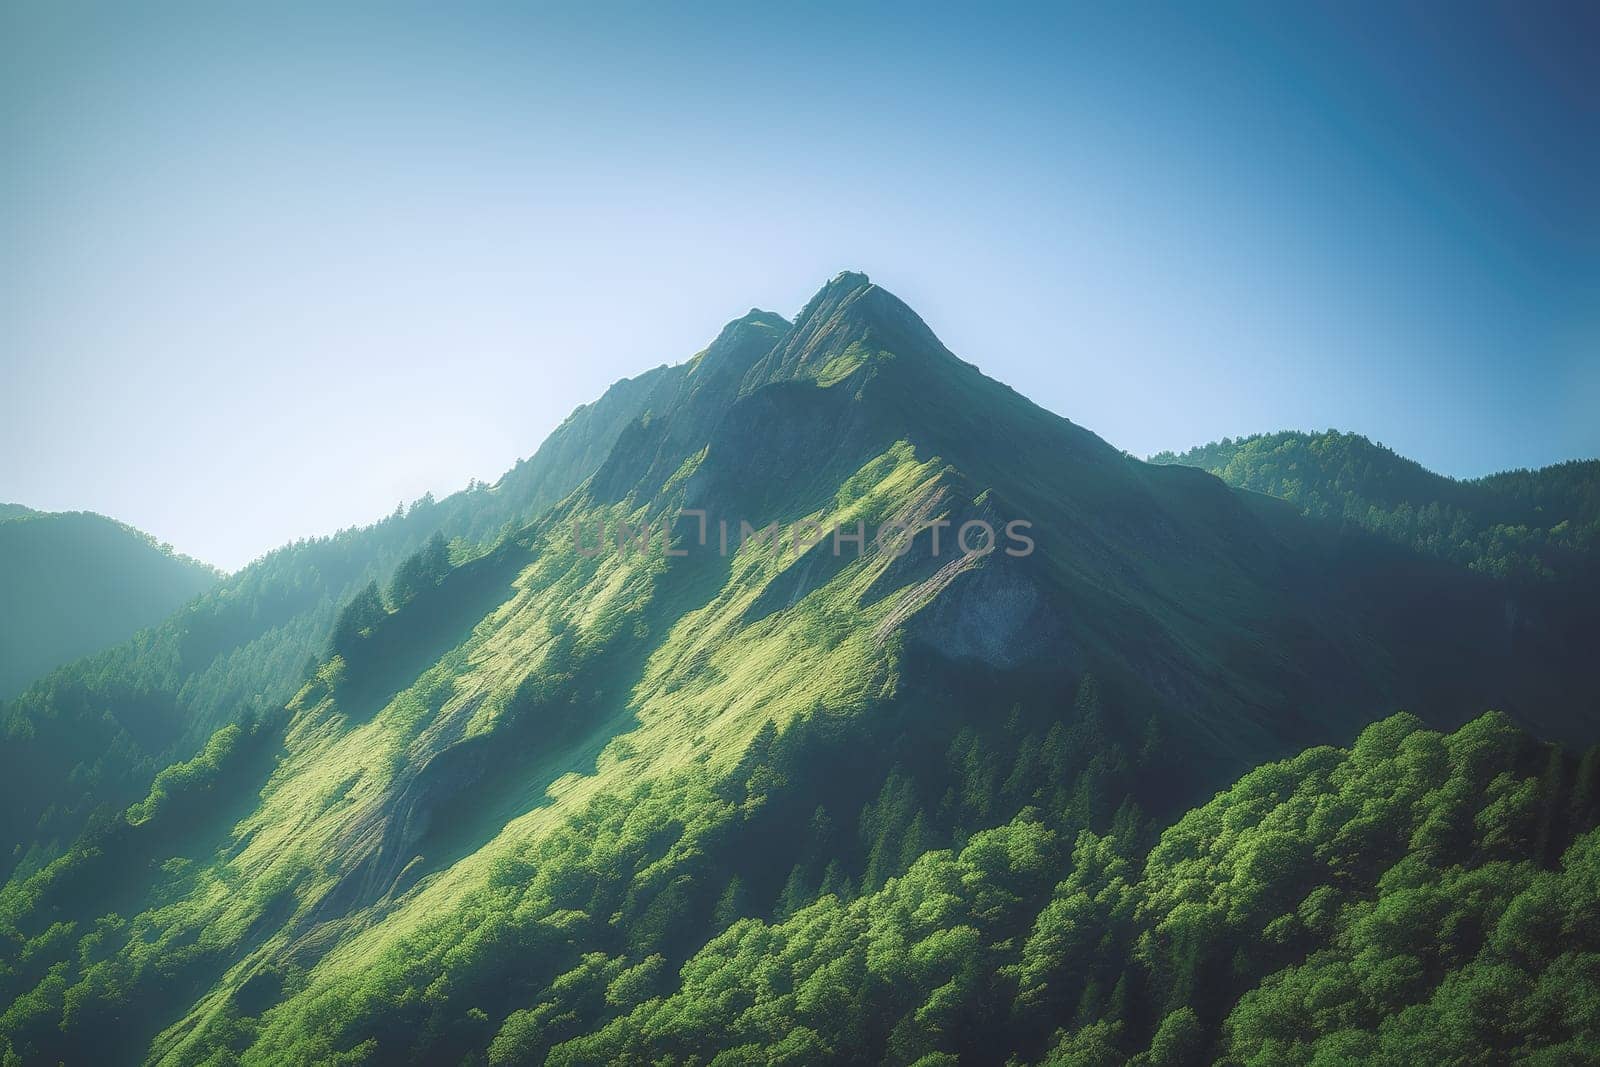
[1523, 524]
[72, 583]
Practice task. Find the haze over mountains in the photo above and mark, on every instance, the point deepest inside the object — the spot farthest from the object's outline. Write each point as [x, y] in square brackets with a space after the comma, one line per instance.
[75, 582]
[448, 788]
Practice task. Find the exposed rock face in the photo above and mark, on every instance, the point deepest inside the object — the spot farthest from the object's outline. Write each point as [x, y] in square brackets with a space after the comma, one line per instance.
[378, 847]
[991, 610]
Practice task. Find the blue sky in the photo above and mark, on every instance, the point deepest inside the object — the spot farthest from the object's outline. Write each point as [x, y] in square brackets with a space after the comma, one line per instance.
[266, 270]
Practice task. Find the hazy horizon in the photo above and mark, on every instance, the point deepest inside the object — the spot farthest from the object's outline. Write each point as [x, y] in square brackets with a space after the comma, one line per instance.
[466, 481]
[271, 272]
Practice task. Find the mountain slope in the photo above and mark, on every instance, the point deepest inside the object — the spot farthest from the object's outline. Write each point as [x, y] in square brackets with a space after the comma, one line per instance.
[525, 786]
[92, 736]
[73, 583]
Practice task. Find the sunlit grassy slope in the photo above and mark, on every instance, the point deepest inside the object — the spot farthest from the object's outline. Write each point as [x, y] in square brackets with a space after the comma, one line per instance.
[536, 768]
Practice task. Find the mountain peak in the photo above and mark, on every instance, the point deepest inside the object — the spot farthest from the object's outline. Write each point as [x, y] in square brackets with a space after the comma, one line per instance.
[760, 317]
[848, 311]
[848, 279]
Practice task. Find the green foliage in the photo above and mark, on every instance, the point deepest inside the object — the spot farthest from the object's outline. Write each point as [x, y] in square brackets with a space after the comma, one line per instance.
[418, 572]
[194, 776]
[1520, 524]
[356, 621]
[1291, 919]
[1312, 911]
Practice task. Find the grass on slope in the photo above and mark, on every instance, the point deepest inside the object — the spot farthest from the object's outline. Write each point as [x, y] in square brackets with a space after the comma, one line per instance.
[713, 676]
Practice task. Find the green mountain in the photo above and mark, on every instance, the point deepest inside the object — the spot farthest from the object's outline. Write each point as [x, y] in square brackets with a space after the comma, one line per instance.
[73, 583]
[1525, 525]
[713, 756]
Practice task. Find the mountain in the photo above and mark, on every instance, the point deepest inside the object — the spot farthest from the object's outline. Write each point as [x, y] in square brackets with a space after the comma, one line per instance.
[834, 715]
[73, 583]
[1522, 524]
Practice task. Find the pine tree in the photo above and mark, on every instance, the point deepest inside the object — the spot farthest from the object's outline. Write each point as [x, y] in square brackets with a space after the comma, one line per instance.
[356, 620]
[732, 905]
[795, 895]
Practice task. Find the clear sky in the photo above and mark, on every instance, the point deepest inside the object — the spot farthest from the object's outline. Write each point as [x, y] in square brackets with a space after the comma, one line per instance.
[267, 269]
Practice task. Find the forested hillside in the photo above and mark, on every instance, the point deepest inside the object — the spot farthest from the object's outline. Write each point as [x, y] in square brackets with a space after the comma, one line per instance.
[91, 736]
[1526, 525]
[72, 583]
[611, 797]
[1419, 898]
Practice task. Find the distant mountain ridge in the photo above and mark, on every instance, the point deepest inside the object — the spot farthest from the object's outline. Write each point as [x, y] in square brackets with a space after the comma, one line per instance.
[1524, 524]
[73, 583]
